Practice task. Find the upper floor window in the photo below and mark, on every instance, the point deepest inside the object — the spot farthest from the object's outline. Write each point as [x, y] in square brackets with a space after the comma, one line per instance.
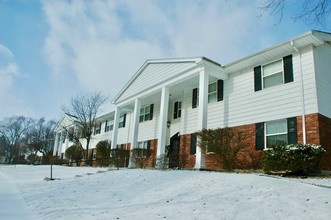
[122, 121]
[146, 113]
[109, 125]
[177, 109]
[215, 93]
[212, 92]
[273, 74]
[97, 129]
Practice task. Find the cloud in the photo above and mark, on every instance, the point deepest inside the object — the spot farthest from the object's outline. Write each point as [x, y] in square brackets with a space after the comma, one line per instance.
[11, 102]
[103, 43]
[8, 70]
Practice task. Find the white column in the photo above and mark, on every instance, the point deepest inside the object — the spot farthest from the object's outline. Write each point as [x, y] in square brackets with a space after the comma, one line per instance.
[134, 143]
[115, 128]
[163, 122]
[202, 116]
[56, 145]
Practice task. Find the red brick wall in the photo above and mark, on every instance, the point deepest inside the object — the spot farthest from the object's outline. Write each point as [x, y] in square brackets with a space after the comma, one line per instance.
[325, 139]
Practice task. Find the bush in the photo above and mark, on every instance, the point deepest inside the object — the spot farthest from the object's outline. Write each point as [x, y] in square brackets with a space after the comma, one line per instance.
[103, 153]
[119, 157]
[75, 153]
[297, 158]
[141, 156]
[226, 143]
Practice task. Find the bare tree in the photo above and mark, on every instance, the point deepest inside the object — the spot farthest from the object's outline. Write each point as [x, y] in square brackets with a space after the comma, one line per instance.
[40, 138]
[84, 110]
[12, 131]
[312, 12]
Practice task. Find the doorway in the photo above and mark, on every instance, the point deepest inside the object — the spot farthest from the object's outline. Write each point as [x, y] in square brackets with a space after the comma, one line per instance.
[173, 153]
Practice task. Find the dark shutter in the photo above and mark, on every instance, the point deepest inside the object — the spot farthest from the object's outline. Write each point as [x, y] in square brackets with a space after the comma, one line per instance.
[288, 69]
[257, 78]
[175, 110]
[292, 135]
[124, 119]
[149, 145]
[220, 90]
[193, 144]
[151, 108]
[259, 136]
[195, 98]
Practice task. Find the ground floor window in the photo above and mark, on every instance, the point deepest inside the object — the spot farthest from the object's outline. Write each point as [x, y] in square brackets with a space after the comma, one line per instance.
[276, 132]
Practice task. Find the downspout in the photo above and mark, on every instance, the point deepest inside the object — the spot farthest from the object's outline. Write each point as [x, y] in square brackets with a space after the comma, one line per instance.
[304, 136]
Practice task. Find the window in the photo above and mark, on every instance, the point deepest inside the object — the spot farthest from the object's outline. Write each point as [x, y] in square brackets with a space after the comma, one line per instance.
[271, 133]
[146, 113]
[215, 93]
[212, 92]
[97, 129]
[145, 146]
[276, 132]
[109, 125]
[122, 121]
[273, 74]
[177, 109]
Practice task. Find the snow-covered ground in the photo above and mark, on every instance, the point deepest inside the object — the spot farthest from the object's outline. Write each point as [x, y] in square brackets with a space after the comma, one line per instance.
[95, 193]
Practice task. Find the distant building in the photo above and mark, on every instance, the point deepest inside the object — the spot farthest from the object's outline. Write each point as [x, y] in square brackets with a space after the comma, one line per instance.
[279, 95]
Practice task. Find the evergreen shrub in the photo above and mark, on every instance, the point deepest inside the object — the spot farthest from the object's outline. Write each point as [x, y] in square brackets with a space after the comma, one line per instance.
[300, 159]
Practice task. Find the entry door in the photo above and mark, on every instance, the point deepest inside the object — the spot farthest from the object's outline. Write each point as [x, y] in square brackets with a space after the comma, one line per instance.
[174, 151]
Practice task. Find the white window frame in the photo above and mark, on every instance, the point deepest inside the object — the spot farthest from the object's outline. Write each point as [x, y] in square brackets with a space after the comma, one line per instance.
[282, 71]
[143, 145]
[212, 93]
[145, 113]
[273, 134]
[121, 122]
[97, 129]
[109, 125]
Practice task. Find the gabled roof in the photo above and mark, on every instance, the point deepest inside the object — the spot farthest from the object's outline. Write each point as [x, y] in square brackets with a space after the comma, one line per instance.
[313, 37]
[156, 71]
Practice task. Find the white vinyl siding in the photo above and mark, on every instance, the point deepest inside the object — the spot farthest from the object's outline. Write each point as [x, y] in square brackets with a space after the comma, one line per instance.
[322, 57]
[242, 105]
[212, 92]
[155, 74]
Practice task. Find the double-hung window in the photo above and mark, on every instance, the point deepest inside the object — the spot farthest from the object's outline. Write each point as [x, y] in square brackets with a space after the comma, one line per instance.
[146, 113]
[97, 129]
[273, 74]
[215, 93]
[109, 125]
[276, 132]
[212, 92]
[122, 120]
[144, 146]
[177, 109]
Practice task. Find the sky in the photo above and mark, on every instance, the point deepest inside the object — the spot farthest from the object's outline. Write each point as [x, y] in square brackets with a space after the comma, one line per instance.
[53, 50]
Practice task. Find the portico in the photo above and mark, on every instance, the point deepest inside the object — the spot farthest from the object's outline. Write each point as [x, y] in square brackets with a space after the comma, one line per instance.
[147, 99]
